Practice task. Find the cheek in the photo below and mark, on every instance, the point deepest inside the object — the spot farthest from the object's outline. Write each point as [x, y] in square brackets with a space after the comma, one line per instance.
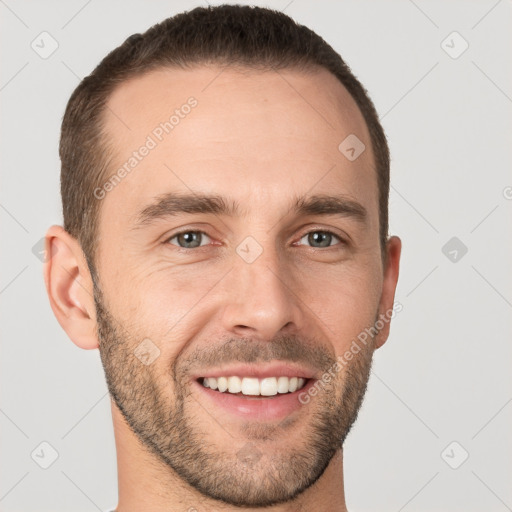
[171, 304]
[346, 301]
[163, 303]
[163, 291]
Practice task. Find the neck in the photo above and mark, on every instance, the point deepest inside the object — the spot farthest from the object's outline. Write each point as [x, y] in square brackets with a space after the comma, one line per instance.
[145, 483]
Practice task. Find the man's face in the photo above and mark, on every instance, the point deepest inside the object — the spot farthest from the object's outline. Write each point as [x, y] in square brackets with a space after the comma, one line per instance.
[260, 288]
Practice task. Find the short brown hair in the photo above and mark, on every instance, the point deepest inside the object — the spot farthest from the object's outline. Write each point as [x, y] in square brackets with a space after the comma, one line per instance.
[253, 37]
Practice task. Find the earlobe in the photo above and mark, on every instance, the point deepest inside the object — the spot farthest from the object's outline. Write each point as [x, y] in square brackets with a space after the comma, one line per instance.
[391, 271]
[69, 287]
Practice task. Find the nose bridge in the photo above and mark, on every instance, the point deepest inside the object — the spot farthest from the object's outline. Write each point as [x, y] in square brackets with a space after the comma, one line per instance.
[260, 300]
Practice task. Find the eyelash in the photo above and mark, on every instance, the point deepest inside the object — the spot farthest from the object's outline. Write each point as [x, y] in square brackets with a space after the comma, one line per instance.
[327, 231]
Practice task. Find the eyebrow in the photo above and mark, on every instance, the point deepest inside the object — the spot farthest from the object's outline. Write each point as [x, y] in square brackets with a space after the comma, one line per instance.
[172, 204]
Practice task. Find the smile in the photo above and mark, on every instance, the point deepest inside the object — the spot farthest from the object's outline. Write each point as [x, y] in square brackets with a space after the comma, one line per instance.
[252, 386]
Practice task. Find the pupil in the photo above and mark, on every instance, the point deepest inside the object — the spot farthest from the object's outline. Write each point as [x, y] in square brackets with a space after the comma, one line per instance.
[320, 238]
[190, 239]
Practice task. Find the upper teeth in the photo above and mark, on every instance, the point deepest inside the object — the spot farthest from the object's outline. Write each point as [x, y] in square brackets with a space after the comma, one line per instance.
[253, 386]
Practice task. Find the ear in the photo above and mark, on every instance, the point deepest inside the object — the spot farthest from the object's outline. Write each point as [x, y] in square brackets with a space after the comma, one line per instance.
[391, 268]
[70, 288]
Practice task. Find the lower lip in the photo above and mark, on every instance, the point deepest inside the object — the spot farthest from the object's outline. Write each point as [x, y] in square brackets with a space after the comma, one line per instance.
[256, 408]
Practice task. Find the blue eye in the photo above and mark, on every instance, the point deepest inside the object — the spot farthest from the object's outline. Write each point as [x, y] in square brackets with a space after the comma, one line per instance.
[319, 239]
[192, 239]
[189, 239]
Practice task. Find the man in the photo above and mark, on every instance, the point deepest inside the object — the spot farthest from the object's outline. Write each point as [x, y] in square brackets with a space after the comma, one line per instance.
[225, 182]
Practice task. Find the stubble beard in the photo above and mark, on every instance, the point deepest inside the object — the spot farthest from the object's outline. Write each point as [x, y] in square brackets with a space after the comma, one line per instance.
[251, 474]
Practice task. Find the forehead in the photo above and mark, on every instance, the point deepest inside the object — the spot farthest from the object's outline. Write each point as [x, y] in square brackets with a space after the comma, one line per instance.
[253, 136]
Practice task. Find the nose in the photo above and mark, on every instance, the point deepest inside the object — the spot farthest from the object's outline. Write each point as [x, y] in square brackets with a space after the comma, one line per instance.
[260, 299]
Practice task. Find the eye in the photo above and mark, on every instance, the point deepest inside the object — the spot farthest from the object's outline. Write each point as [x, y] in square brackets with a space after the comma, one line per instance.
[189, 239]
[319, 239]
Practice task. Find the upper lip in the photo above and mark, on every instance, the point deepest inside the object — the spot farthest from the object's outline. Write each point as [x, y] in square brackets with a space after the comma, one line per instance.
[260, 371]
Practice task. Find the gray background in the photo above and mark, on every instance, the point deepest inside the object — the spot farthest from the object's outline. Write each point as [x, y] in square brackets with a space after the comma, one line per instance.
[443, 376]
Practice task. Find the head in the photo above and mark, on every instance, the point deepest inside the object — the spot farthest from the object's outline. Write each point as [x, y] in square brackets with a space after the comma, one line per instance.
[213, 223]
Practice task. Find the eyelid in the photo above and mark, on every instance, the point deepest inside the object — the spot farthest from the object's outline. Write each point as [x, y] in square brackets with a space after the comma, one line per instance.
[343, 239]
[178, 233]
[323, 230]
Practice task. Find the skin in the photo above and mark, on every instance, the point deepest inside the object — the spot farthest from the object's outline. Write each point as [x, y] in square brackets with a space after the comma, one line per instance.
[256, 140]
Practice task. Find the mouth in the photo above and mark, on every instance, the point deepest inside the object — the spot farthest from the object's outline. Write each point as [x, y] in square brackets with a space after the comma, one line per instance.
[254, 393]
[254, 387]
